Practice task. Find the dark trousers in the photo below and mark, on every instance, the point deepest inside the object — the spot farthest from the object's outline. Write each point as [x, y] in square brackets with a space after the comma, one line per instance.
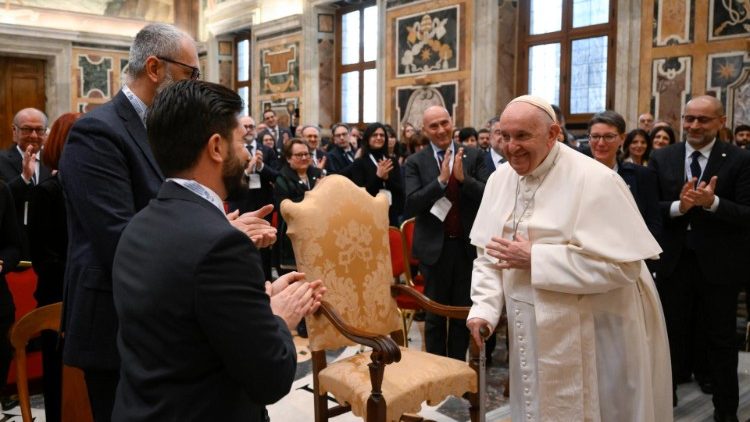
[52, 380]
[448, 282]
[701, 324]
[7, 317]
[101, 386]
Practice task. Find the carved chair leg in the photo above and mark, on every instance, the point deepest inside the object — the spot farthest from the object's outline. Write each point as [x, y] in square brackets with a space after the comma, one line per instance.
[376, 406]
[320, 401]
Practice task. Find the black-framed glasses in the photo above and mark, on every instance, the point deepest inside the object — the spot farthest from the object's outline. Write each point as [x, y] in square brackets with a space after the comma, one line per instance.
[195, 73]
[609, 137]
[40, 131]
[301, 155]
[701, 119]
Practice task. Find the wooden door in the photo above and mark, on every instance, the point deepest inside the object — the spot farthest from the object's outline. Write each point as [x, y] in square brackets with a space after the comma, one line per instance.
[21, 86]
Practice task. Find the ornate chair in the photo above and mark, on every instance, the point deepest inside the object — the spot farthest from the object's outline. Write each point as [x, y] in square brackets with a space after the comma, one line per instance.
[347, 246]
[75, 399]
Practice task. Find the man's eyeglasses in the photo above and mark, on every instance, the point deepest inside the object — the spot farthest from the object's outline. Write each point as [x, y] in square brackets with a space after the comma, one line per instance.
[249, 126]
[40, 131]
[701, 119]
[301, 155]
[609, 138]
[195, 73]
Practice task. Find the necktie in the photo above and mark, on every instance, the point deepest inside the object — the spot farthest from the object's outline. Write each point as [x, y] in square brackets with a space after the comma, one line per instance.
[695, 167]
[350, 156]
[441, 156]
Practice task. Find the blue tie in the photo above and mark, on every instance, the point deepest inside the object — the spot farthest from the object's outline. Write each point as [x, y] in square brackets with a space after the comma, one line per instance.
[441, 156]
[695, 167]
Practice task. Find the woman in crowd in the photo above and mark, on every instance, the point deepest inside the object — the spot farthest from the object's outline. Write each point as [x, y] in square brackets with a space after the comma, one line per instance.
[267, 140]
[377, 172]
[637, 147]
[396, 149]
[48, 240]
[407, 131]
[662, 136]
[468, 137]
[296, 177]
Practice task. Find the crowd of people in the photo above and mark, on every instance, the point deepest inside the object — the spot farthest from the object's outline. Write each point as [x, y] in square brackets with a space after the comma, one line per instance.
[163, 186]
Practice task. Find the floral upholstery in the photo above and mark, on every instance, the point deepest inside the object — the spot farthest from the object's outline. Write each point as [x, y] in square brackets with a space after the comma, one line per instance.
[417, 377]
[339, 233]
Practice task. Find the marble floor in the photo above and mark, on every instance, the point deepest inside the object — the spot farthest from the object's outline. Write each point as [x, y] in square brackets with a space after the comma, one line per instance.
[694, 406]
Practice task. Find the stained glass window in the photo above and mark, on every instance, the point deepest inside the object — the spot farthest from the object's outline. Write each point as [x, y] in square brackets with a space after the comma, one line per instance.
[243, 60]
[544, 72]
[356, 72]
[350, 38]
[590, 12]
[545, 16]
[350, 97]
[371, 34]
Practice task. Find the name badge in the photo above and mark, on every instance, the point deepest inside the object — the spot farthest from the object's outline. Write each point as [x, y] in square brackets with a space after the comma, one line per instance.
[254, 181]
[441, 208]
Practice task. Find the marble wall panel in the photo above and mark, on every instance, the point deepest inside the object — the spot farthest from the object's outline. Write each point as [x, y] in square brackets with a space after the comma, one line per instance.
[326, 54]
[97, 75]
[729, 19]
[729, 79]
[506, 55]
[412, 101]
[428, 42]
[671, 88]
[279, 69]
[674, 21]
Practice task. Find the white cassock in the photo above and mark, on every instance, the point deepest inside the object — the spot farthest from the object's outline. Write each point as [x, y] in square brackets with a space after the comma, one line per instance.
[587, 334]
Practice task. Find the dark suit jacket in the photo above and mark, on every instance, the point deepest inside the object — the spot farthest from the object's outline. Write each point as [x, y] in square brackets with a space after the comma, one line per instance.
[718, 235]
[252, 199]
[48, 239]
[108, 173]
[642, 182]
[423, 190]
[11, 165]
[197, 334]
[289, 186]
[364, 174]
[337, 162]
[10, 253]
[489, 162]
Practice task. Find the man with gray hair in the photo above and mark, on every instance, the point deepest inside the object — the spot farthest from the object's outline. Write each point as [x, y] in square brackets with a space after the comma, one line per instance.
[311, 135]
[21, 167]
[109, 173]
[560, 243]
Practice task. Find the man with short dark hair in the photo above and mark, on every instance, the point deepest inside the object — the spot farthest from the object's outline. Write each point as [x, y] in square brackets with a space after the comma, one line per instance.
[202, 335]
[483, 139]
[311, 135]
[704, 194]
[341, 154]
[742, 136]
[272, 127]
[21, 167]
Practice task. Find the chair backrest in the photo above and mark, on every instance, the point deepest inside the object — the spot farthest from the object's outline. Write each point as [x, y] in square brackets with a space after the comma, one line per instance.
[75, 400]
[398, 259]
[407, 228]
[30, 325]
[339, 234]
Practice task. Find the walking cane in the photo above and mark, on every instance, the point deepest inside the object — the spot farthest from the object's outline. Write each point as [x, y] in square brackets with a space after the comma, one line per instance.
[484, 332]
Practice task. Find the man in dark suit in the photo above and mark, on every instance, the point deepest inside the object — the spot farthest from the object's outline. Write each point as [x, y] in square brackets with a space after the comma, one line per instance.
[444, 186]
[278, 132]
[318, 157]
[494, 155]
[704, 192]
[109, 173]
[21, 167]
[200, 287]
[257, 191]
[341, 156]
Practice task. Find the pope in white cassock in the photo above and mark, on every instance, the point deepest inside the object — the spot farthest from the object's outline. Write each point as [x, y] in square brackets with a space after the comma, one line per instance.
[561, 243]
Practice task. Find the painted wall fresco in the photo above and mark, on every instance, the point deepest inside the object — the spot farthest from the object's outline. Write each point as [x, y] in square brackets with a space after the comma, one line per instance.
[287, 110]
[150, 10]
[97, 76]
[671, 88]
[673, 22]
[428, 42]
[279, 69]
[412, 101]
[729, 79]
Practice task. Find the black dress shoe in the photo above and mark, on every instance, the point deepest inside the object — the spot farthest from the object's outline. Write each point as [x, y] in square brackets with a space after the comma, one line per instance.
[707, 387]
[8, 403]
[674, 398]
[725, 417]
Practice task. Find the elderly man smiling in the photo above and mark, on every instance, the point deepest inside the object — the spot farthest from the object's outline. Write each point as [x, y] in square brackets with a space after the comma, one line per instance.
[561, 243]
